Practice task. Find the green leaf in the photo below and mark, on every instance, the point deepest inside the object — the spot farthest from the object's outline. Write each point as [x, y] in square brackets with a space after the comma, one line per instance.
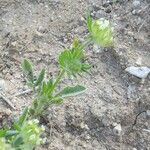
[71, 91]
[22, 119]
[47, 87]
[40, 77]
[57, 100]
[28, 71]
[89, 23]
[3, 132]
[11, 133]
[18, 141]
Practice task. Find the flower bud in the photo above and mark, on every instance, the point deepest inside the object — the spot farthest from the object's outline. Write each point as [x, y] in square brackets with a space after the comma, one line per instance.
[101, 32]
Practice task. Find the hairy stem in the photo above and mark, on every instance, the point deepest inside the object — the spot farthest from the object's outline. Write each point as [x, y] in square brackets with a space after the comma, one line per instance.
[58, 79]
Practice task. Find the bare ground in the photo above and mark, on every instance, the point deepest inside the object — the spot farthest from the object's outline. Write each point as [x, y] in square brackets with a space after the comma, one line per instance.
[39, 30]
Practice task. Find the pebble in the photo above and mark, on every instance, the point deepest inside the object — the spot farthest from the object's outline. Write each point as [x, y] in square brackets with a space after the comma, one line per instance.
[2, 85]
[140, 72]
[148, 113]
[100, 14]
[41, 29]
[136, 3]
[139, 61]
[117, 129]
[97, 48]
[130, 91]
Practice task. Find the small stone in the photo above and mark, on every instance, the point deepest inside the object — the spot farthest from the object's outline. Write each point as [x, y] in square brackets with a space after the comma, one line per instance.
[148, 113]
[139, 61]
[2, 85]
[65, 40]
[134, 12]
[82, 19]
[14, 43]
[87, 137]
[136, 3]
[97, 48]
[41, 29]
[117, 129]
[131, 91]
[140, 72]
[100, 14]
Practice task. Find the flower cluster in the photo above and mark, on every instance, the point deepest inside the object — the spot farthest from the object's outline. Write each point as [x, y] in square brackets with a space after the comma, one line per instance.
[4, 145]
[31, 132]
[101, 32]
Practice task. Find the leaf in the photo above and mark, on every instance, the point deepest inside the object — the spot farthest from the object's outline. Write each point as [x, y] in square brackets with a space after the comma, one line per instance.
[3, 132]
[40, 77]
[89, 23]
[86, 67]
[18, 141]
[28, 71]
[57, 100]
[22, 119]
[71, 91]
[11, 133]
[47, 87]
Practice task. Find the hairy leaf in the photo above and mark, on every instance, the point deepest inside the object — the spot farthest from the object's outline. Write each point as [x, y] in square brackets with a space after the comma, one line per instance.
[57, 100]
[18, 141]
[22, 119]
[72, 60]
[89, 22]
[40, 77]
[71, 91]
[3, 132]
[28, 71]
[11, 133]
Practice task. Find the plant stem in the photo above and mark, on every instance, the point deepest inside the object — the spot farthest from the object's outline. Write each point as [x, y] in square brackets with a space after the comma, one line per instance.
[58, 79]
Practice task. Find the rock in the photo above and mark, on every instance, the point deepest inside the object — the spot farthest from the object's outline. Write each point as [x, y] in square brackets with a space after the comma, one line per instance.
[139, 61]
[148, 113]
[136, 3]
[2, 85]
[131, 90]
[140, 72]
[117, 129]
[41, 29]
[97, 48]
[100, 14]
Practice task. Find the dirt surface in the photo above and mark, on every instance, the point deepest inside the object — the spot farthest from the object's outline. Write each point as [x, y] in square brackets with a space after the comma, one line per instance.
[39, 30]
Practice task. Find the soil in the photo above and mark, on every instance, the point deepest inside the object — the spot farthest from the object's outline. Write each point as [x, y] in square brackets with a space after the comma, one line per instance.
[39, 30]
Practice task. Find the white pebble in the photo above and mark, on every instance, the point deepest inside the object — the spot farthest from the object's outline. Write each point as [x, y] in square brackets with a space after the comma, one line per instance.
[140, 72]
[136, 3]
[117, 129]
[2, 85]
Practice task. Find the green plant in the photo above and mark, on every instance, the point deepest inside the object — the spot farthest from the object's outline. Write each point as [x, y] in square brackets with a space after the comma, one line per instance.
[101, 31]
[72, 63]
[25, 134]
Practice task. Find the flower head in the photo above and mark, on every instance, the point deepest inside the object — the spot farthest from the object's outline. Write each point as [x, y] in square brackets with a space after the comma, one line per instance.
[4, 145]
[31, 132]
[101, 31]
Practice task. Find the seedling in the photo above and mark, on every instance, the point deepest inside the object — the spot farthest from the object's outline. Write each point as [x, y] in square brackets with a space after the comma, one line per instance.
[71, 63]
[25, 134]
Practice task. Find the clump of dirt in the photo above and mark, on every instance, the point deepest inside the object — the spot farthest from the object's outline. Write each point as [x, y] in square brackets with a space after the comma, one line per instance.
[40, 29]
